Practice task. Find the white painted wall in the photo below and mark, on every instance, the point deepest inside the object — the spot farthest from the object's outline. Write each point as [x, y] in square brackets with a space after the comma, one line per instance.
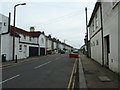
[42, 41]
[61, 46]
[96, 38]
[110, 24]
[96, 49]
[27, 39]
[49, 44]
[55, 45]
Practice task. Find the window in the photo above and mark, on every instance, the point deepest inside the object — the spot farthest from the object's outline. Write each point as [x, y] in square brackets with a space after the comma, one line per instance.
[93, 25]
[24, 37]
[97, 42]
[96, 20]
[20, 47]
[30, 38]
[93, 43]
[42, 40]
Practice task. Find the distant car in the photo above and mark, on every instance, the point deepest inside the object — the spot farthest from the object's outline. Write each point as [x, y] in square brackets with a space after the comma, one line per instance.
[62, 52]
[74, 54]
[75, 51]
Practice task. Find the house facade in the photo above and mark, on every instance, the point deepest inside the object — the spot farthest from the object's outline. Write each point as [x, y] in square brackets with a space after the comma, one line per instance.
[95, 34]
[48, 44]
[110, 14]
[104, 38]
[42, 44]
[5, 50]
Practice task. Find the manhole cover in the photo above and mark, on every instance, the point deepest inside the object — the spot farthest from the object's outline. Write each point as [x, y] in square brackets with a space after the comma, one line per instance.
[104, 79]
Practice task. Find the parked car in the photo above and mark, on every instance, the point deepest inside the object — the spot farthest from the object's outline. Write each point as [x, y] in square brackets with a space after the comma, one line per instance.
[62, 52]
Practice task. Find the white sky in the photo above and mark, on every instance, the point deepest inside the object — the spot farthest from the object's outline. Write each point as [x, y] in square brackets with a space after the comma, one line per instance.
[63, 19]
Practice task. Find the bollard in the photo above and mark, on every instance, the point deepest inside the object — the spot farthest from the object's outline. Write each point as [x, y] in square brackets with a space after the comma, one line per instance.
[15, 58]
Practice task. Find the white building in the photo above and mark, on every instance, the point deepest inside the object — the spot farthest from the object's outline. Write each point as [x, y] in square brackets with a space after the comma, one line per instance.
[95, 34]
[103, 32]
[110, 14]
[48, 44]
[42, 44]
[4, 37]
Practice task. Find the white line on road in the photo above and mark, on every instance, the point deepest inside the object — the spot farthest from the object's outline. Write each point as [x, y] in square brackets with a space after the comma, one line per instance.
[42, 65]
[9, 79]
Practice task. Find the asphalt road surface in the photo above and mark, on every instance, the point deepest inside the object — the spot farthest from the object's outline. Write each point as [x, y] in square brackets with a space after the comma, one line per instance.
[52, 71]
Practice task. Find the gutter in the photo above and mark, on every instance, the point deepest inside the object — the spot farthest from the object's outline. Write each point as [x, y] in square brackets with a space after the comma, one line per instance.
[9, 19]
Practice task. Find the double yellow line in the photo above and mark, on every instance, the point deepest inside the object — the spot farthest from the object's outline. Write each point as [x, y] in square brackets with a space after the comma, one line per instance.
[72, 77]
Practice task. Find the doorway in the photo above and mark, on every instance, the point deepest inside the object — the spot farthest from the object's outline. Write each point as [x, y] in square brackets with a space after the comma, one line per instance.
[107, 50]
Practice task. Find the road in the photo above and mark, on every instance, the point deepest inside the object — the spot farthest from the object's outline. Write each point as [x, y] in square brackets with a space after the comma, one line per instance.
[51, 71]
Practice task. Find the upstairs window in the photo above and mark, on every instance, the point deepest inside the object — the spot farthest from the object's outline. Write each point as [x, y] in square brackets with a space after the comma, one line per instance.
[93, 26]
[96, 20]
[97, 43]
[42, 40]
[30, 38]
[24, 37]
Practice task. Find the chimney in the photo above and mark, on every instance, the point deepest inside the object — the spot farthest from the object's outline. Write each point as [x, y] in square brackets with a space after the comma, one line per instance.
[32, 29]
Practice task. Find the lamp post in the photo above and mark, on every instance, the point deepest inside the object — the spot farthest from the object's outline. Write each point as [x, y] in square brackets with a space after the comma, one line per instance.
[14, 28]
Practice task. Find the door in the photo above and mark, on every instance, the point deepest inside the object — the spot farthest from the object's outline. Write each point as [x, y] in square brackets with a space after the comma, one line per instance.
[42, 51]
[107, 50]
[33, 51]
[25, 51]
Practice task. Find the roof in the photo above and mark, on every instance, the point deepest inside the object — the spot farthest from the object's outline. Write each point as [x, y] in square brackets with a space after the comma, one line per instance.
[24, 32]
[94, 12]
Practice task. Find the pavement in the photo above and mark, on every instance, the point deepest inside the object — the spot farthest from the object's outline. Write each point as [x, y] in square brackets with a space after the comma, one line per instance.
[93, 75]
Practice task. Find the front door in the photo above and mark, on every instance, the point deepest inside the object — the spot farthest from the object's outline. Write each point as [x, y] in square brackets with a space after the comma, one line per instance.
[107, 50]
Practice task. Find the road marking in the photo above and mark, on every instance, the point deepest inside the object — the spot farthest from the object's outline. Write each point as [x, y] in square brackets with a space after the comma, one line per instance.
[42, 65]
[9, 79]
[70, 81]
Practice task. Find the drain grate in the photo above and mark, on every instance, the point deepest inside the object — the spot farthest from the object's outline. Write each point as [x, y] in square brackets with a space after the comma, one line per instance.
[104, 79]
[91, 71]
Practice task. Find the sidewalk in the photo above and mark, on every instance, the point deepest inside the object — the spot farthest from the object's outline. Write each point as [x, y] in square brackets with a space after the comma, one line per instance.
[12, 63]
[97, 76]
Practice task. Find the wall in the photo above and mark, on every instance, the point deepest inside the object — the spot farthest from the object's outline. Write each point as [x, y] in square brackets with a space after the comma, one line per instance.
[6, 46]
[96, 49]
[110, 27]
[42, 43]
[96, 38]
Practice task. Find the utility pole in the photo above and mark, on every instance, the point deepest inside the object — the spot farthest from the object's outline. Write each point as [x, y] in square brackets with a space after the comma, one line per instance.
[86, 32]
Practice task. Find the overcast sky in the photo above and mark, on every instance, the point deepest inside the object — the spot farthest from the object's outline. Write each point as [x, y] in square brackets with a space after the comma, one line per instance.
[63, 19]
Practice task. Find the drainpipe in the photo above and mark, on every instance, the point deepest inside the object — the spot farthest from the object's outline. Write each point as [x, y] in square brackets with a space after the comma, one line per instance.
[86, 32]
[8, 25]
[102, 34]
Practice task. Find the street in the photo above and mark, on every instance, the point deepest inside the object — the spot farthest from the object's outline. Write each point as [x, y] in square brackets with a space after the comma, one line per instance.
[51, 71]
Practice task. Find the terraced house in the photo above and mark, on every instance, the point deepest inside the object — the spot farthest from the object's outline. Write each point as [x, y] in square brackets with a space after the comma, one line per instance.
[28, 43]
[103, 32]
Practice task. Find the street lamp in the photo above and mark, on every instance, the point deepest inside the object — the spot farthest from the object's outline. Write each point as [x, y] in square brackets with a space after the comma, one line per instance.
[14, 27]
